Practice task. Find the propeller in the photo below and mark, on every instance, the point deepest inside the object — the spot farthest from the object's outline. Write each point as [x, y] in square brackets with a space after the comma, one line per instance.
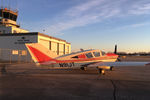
[115, 52]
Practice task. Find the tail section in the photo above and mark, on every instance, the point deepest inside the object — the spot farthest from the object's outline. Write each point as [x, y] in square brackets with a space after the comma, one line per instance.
[41, 54]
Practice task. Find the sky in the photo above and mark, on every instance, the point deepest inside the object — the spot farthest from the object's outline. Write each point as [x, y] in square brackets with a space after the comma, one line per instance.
[97, 24]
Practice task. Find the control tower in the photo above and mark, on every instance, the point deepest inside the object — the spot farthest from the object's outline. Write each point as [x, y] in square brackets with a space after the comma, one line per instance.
[8, 17]
[8, 22]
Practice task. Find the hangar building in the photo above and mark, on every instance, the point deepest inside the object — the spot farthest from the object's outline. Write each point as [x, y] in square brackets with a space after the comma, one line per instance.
[13, 39]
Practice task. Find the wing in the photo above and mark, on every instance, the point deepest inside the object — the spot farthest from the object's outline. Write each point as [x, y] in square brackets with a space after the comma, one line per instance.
[119, 64]
[102, 66]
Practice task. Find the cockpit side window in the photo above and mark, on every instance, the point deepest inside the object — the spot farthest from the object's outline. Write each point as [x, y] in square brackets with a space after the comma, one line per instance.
[96, 54]
[80, 56]
[89, 55]
[75, 57]
[103, 53]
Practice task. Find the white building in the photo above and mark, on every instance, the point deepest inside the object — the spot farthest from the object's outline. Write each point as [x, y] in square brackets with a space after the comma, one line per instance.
[13, 39]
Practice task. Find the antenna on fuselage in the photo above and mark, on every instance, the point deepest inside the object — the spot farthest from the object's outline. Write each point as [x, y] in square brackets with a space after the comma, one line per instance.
[82, 49]
[1, 3]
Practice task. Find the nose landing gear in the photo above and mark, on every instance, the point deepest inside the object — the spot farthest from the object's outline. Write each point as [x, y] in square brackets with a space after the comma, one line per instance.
[101, 71]
[83, 68]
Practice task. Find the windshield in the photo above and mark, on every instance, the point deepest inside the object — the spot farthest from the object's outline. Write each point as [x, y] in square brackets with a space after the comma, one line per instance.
[103, 53]
[96, 54]
[89, 55]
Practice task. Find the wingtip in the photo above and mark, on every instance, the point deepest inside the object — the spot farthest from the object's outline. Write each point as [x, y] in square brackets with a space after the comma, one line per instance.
[147, 64]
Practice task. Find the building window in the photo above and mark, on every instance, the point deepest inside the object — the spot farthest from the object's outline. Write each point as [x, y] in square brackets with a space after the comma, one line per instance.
[24, 52]
[15, 52]
[4, 31]
[6, 14]
[0, 32]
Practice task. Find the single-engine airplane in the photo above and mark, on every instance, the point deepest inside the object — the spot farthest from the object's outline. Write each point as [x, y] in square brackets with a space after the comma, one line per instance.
[83, 59]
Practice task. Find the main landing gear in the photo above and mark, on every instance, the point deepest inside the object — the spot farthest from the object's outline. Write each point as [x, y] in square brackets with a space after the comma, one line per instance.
[111, 68]
[101, 69]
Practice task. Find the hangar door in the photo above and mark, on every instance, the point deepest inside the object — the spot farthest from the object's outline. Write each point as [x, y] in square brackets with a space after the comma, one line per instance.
[61, 49]
[54, 47]
[44, 43]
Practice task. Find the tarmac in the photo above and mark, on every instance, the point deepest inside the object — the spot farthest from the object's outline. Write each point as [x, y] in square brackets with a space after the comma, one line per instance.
[28, 82]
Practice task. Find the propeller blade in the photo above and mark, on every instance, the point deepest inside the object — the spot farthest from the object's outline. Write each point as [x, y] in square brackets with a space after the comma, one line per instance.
[115, 51]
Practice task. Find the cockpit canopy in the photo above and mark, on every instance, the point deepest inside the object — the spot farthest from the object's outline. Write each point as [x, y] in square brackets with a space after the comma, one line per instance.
[90, 54]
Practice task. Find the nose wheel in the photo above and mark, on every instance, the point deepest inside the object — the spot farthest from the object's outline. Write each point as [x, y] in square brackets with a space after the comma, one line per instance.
[83, 68]
[101, 71]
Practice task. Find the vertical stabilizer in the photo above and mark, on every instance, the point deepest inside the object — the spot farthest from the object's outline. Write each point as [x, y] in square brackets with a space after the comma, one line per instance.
[40, 54]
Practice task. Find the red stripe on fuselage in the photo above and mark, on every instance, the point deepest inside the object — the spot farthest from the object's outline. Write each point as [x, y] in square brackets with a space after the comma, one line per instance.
[82, 56]
[111, 54]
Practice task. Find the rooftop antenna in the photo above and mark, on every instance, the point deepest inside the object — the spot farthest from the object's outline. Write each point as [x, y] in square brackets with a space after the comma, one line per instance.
[2, 4]
[9, 5]
[6, 4]
[17, 5]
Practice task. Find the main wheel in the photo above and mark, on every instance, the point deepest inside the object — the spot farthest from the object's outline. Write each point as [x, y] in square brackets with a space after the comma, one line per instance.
[111, 68]
[83, 68]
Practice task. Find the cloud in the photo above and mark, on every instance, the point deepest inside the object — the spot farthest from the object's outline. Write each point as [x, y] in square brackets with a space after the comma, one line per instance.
[83, 14]
[94, 11]
[137, 25]
[141, 9]
[79, 9]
